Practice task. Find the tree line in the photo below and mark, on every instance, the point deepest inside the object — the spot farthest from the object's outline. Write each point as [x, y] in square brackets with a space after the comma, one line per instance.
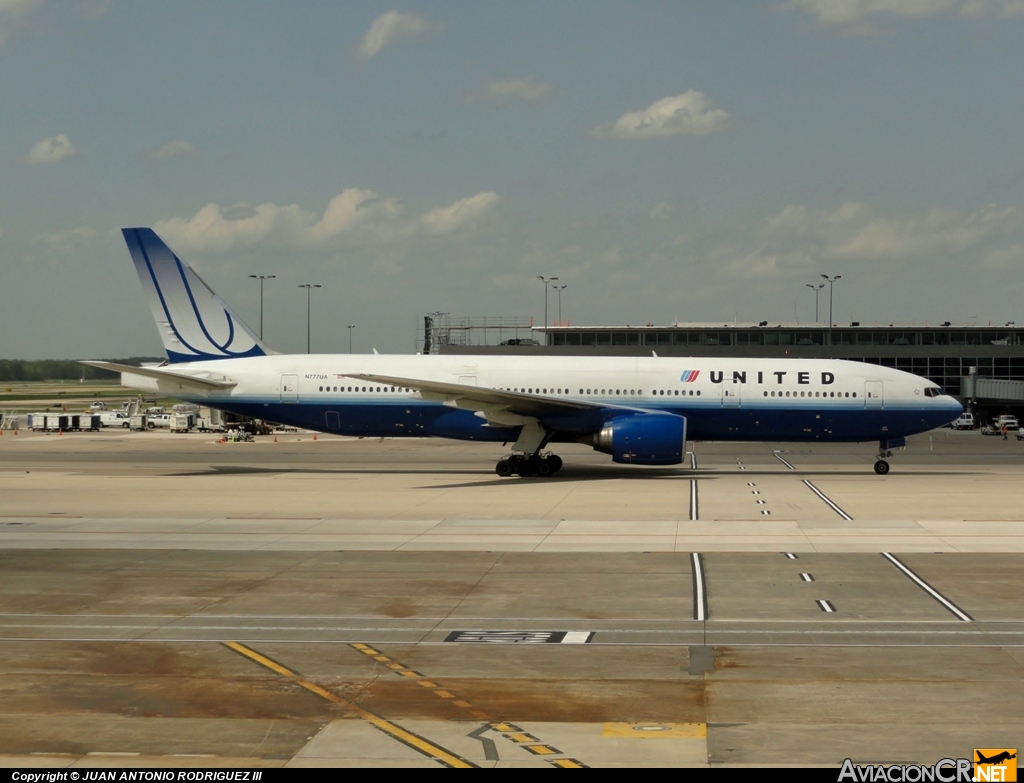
[64, 369]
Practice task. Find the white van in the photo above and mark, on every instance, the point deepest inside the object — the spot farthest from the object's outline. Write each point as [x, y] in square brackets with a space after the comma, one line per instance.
[965, 422]
[113, 419]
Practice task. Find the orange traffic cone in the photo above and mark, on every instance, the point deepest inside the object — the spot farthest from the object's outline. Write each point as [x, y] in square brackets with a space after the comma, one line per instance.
[314, 437]
[275, 439]
[60, 432]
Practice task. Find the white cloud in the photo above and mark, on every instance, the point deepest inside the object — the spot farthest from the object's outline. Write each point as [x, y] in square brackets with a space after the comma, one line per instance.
[17, 15]
[461, 214]
[390, 27]
[689, 114]
[93, 9]
[864, 16]
[501, 92]
[662, 211]
[50, 150]
[799, 240]
[67, 240]
[355, 215]
[172, 149]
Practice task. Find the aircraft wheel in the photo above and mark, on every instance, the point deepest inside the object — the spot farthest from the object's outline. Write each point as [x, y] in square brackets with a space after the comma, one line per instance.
[503, 468]
[545, 468]
[556, 463]
[881, 467]
[526, 467]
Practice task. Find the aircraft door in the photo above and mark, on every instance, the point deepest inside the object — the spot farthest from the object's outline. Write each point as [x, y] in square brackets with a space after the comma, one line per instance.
[731, 393]
[289, 388]
[874, 395]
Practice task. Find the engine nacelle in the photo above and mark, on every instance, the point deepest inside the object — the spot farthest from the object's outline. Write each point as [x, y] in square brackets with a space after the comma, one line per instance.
[644, 439]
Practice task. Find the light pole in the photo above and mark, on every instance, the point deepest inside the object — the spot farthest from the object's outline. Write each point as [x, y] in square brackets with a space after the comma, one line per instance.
[560, 288]
[816, 289]
[546, 281]
[350, 328]
[830, 281]
[261, 278]
[309, 287]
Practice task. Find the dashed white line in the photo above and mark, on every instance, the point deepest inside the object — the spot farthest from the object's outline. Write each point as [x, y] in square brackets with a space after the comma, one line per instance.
[693, 499]
[789, 555]
[831, 504]
[825, 606]
[956, 610]
[807, 577]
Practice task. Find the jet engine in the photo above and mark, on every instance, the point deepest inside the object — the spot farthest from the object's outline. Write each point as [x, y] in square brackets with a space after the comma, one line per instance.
[643, 439]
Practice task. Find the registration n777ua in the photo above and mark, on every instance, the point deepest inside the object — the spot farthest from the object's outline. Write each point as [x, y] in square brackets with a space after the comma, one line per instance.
[640, 410]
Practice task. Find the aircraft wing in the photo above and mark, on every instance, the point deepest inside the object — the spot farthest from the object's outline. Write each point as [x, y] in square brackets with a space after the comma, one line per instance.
[507, 408]
[201, 381]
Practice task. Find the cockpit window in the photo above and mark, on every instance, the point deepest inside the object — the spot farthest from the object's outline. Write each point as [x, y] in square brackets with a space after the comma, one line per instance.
[933, 391]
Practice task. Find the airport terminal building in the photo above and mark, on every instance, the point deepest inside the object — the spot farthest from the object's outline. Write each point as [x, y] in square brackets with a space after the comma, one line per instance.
[982, 365]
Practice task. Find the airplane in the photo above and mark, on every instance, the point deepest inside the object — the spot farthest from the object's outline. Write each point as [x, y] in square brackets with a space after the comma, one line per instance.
[996, 759]
[640, 410]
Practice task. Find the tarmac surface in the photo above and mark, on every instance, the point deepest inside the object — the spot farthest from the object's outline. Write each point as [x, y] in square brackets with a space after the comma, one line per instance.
[169, 600]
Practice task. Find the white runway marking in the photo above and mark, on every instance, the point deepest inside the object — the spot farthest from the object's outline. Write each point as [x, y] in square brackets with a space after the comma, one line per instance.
[827, 500]
[825, 606]
[700, 598]
[929, 589]
[781, 459]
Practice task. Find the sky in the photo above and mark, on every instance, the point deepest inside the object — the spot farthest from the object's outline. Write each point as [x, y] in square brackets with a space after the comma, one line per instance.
[667, 161]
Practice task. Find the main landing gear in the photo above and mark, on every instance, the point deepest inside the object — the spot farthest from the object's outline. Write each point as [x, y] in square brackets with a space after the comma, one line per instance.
[543, 466]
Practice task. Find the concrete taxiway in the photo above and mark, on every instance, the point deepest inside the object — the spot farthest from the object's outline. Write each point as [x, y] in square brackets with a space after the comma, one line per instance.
[170, 600]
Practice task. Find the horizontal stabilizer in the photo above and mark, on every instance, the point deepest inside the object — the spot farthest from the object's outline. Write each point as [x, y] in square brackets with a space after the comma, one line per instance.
[201, 381]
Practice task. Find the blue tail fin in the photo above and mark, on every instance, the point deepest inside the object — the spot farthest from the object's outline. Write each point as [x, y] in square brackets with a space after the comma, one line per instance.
[195, 324]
